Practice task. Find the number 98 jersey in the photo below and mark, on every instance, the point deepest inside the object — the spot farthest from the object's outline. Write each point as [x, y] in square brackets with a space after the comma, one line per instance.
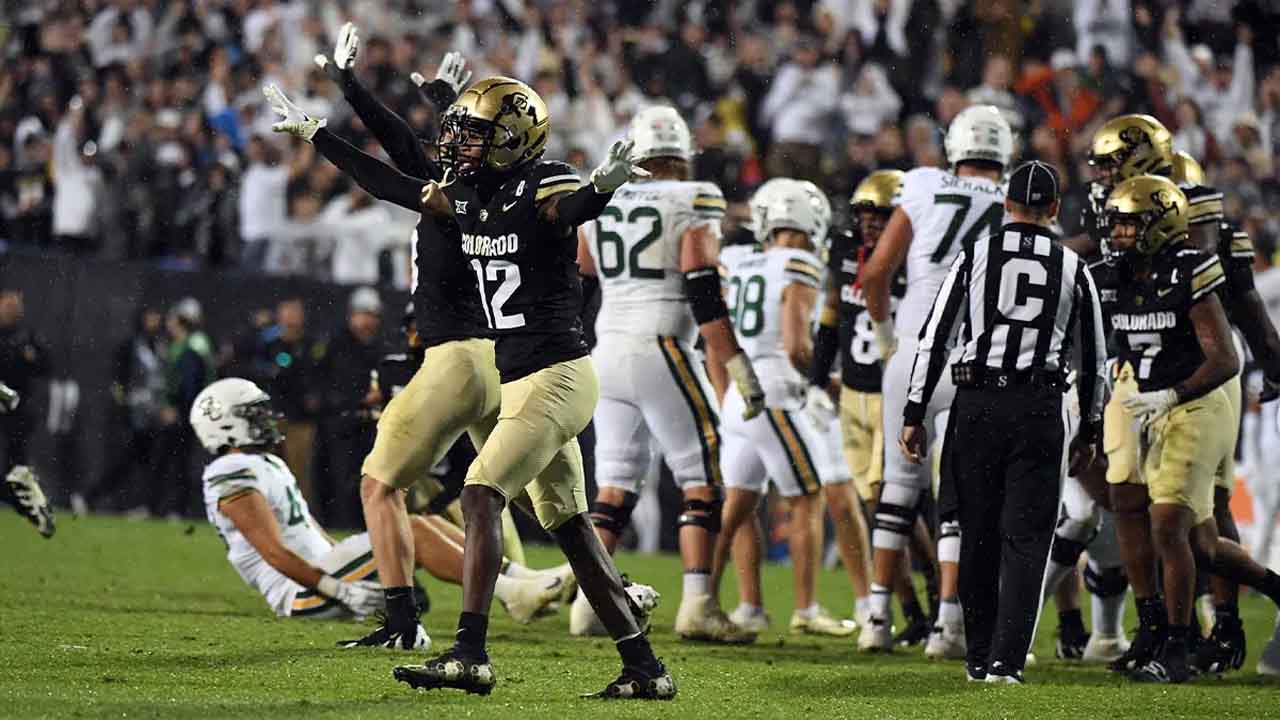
[1151, 318]
[947, 213]
[636, 247]
[860, 367]
[755, 283]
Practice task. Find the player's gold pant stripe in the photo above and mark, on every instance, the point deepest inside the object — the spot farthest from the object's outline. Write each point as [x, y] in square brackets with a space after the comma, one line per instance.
[797, 453]
[309, 603]
[708, 431]
[361, 573]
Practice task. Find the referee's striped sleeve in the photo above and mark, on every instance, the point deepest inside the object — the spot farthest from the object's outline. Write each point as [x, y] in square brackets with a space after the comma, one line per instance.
[1093, 348]
[931, 352]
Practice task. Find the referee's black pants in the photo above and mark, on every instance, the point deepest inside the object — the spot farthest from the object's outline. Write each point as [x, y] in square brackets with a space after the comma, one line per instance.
[1001, 475]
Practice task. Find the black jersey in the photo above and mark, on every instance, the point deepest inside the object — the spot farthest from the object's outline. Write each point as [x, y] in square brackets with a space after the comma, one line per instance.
[860, 366]
[1151, 317]
[525, 266]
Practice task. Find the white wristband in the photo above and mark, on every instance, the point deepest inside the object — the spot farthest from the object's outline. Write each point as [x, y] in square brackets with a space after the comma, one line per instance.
[328, 586]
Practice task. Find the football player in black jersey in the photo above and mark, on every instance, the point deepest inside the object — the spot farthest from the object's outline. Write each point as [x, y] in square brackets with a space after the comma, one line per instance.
[516, 217]
[1122, 148]
[845, 329]
[508, 220]
[416, 429]
[1176, 354]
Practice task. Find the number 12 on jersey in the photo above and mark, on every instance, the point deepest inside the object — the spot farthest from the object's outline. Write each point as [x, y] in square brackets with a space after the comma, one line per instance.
[509, 275]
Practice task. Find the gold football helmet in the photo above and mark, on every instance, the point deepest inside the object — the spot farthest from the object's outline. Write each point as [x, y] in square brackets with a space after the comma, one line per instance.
[878, 191]
[1156, 205]
[1132, 145]
[1186, 169]
[498, 124]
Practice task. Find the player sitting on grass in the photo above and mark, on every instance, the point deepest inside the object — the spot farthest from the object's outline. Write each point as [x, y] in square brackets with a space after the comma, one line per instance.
[280, 550]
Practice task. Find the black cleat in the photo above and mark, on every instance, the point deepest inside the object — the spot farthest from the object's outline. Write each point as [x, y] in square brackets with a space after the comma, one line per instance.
[1071, 640]
[1144, 648]
[638, 684]
[384, 637]
[450, 670]
[1169, 668]
[1224, 650]
[915, 633]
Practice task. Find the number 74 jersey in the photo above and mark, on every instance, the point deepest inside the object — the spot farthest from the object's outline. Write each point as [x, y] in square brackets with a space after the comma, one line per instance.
[948, 213]
[636, 247]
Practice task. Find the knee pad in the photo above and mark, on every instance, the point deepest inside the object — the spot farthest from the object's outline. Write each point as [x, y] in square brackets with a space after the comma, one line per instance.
[1065, 551]
[701, 513]
[1105, 582]
[892, 525]
[614, 518]
[949, 541]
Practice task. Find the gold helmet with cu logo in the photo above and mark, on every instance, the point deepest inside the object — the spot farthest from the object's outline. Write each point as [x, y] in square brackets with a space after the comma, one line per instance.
[1186, 170]
[498, 124]
[1132, 145]
[1156, 205]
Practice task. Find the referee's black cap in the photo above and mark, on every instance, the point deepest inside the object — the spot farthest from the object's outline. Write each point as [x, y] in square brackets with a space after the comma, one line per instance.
[1034, 184]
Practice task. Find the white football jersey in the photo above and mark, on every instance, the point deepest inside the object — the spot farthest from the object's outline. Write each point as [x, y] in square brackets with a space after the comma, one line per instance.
[947, 213]
[756, 279]
[636, 247]
[236, 473]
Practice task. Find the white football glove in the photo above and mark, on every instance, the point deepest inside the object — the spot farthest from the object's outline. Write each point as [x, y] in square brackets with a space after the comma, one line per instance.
[1149, 406]
[348, 45]
[617, 168]
[748, 384]
[9, 398]
[362, 597]
[818, 406]
[293, 121]
[452, 70]
[886, 340]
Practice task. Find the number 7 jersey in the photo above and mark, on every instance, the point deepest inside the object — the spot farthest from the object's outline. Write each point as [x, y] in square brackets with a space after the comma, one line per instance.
[948, 213]
[636, 247]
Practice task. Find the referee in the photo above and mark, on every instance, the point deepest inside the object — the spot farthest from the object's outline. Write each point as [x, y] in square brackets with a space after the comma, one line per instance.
[1024, 299]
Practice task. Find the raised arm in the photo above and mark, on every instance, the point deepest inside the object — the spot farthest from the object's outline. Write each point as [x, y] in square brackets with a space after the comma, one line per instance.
[374, 176]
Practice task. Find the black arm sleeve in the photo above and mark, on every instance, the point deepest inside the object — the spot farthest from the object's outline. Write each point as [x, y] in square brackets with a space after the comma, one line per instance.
[376, 177]
[569, 210]
[392, 131]
[439, 93]
[826, 343]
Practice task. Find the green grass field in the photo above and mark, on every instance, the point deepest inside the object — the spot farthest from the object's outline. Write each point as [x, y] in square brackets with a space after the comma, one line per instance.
[114, 618]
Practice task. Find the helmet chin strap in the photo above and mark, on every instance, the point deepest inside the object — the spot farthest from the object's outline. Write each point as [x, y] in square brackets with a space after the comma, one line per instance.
[448, 177]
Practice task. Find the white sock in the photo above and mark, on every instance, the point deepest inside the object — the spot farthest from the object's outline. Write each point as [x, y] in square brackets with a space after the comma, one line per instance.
[879, 602]
[808, 613]
[1107, 614]
[861, 607]
[697, 583]
[749, 610]
[949, 613]
[520, 572]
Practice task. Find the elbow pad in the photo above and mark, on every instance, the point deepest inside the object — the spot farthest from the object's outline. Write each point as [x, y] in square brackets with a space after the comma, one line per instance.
[702, 290]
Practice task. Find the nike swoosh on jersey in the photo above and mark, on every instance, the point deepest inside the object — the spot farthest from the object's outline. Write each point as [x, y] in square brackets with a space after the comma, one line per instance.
[508, 206]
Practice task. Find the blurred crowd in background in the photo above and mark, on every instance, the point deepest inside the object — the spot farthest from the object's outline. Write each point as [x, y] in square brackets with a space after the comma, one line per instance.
[134, 129]
[137, 130]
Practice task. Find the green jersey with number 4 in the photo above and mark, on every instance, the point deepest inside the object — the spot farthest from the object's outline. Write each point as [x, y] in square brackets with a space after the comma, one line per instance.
[636, 247]
[235, 474]
[754, 284]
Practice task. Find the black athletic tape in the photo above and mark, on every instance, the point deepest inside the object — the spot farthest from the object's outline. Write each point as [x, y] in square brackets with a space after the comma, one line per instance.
[1066, 551]
[694, 515]
[702, 290]
[1108, 583]
[894, 518]
[614, 518]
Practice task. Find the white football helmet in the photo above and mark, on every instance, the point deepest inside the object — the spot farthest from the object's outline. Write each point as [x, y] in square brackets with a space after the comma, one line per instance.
[761, 199]
[797, 209]
[660, 132]
[234, 412]
[821, 206]
[979, 132]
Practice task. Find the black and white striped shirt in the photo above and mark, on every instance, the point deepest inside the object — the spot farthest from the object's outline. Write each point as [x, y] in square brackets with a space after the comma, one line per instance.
[1024, 296]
